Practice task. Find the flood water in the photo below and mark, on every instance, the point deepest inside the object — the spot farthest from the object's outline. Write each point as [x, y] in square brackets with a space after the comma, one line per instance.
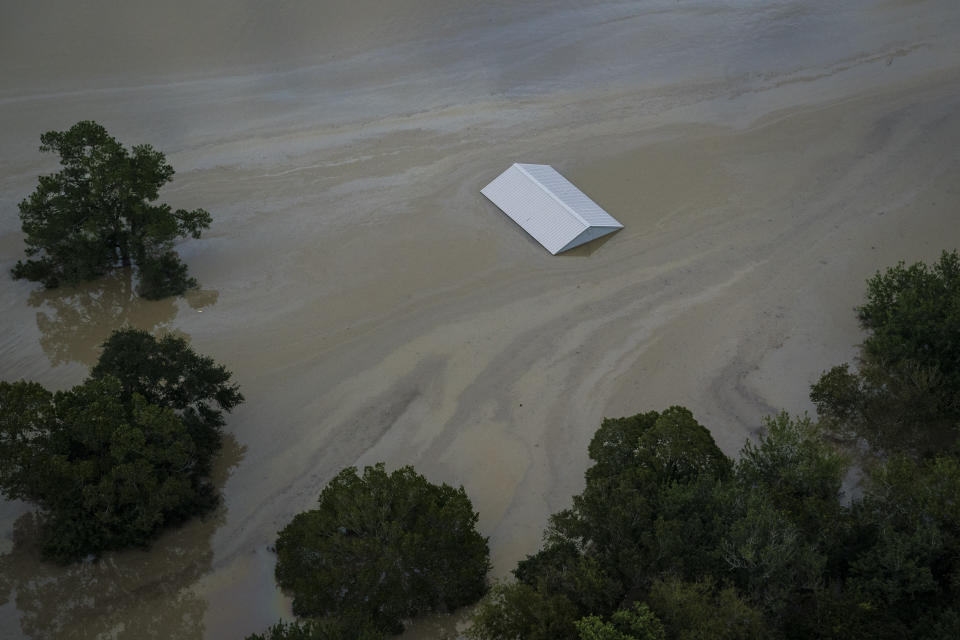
[765, 157]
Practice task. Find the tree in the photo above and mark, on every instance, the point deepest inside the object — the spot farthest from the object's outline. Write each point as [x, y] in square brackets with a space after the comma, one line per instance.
[99, 211]
[519, 611]
[317, 630]
[636, 623]
[905, 395]
[112, 605]
[770, 547]
[797, 472]
[380, 548]
[912, 314]
[714, 549]
[113, 461]
[650, 506]
[703, 611]
[168, 373]
[103, 480]
[907, 575]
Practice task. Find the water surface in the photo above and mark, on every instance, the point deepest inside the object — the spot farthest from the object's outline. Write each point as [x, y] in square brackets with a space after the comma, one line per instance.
[765, 156]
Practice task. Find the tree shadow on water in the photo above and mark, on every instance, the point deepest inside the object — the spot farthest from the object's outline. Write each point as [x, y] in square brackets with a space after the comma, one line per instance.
[75, 321]
[125, 595]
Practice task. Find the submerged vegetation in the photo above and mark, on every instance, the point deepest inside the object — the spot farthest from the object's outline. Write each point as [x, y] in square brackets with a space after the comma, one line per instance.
[699, 546]
[99, 212]
[381, 548]
[671, 539]
[127, 453]
[905, 395]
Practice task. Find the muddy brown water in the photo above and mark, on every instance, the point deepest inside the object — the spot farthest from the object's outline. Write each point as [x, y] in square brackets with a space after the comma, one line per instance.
[765, 156]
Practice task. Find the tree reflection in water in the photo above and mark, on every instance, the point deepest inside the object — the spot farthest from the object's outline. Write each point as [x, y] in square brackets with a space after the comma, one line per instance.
[75, 321]
[126, 595]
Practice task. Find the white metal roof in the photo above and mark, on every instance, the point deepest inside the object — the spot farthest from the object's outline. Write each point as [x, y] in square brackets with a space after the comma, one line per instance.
[549, 207]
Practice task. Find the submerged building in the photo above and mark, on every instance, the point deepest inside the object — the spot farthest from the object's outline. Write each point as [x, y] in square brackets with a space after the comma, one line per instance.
[549, 207]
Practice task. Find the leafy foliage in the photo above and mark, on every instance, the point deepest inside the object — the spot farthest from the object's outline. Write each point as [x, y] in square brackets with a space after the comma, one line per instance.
[636, 623]
[99, 211]
[650, 506]
[910, 573]
[168, 373]
[906, 394]
[763, 548]
[519, 611]
[381, 548]
[702, 611]
[912, 314]
[327, 629]
[116, 459]
[785, 512]
[770, 547]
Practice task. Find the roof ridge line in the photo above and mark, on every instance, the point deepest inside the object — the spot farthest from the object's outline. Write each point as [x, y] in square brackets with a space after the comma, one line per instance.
[552, 194]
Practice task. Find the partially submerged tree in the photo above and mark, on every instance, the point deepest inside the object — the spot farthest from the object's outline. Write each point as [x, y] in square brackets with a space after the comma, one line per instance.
[714, 550]
[905, 394]
[127, 453]
[636, 623]
[651, 505]
[381, 548]
[700, 610]
[99, 212]
[912, 314]
[770, 547]
[327, 629]
[166, 372]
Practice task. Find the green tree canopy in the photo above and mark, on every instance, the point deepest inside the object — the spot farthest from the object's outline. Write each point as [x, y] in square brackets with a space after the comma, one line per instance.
[715, 550]
[906, 578]
[111, 463]
[326, 629]
[912, 314]
[650, 506]
[519, 611]
[168, 373]
[100, 211]
[905, 394]
[701, 610]
[771, 547]
[380, 548]
[636, 623]
[653, 472]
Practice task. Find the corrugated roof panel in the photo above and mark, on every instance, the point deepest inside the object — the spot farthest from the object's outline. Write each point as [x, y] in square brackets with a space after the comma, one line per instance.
[548, 207]
[530, 206]
[565, 191]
